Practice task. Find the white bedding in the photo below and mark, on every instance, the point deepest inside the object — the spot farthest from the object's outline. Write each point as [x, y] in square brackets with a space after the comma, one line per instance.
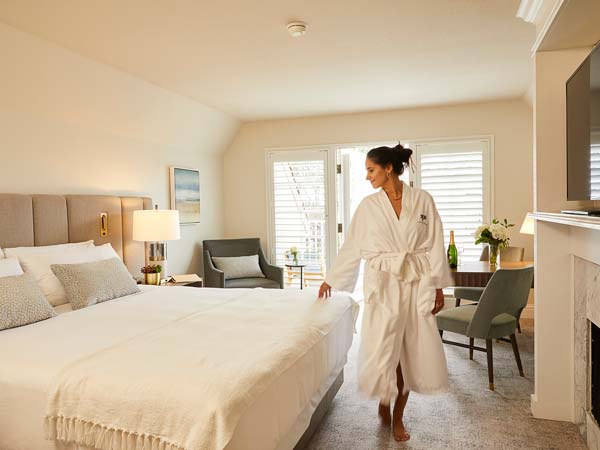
[31, 358]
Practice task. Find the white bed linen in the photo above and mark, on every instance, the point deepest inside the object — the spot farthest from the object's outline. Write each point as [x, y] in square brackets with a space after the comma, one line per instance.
[275, 420]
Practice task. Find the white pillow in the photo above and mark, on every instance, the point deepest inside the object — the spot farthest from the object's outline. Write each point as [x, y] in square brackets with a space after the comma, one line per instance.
[16, 251]
[10, 267]
[239, 266]
[38, 265]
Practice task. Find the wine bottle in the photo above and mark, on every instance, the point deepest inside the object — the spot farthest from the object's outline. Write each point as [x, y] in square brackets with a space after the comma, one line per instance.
[452, 252]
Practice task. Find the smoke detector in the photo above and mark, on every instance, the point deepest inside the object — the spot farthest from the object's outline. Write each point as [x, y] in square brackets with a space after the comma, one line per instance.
[296, 29]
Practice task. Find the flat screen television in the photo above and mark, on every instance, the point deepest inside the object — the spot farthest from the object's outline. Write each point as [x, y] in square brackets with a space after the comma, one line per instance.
[583, 130]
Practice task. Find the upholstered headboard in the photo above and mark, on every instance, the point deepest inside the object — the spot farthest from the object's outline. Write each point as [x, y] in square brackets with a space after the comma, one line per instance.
[35, 220]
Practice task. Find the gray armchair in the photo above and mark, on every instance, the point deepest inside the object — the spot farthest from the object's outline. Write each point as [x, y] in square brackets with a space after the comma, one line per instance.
[214, 277]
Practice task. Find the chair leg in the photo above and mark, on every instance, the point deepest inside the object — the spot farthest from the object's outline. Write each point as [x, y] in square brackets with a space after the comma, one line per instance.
[471, 343]
[519, 326]
[490, 363]
[513, 341]
[441, 333]
[457, 302]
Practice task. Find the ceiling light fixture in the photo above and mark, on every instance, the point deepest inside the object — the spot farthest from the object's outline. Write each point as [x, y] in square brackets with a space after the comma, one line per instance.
[296, 29]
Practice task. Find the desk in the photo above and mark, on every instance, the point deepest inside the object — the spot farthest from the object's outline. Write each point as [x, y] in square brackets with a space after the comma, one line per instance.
[478, 273]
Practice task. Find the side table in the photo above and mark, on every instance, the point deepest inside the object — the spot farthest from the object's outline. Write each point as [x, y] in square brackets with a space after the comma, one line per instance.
[301, 267]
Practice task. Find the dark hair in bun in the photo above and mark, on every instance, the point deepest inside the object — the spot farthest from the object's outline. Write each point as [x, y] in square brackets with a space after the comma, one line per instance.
[398, 157]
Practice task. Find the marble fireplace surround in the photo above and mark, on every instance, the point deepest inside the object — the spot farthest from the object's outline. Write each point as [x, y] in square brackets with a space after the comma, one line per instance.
[586, 293]
[567, 298]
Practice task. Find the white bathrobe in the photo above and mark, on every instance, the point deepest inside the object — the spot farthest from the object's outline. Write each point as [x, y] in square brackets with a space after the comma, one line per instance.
[405, 264]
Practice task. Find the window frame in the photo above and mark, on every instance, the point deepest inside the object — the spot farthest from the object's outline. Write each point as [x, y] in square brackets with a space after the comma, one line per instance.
[331, 189]
[487, 161]
[299, 154]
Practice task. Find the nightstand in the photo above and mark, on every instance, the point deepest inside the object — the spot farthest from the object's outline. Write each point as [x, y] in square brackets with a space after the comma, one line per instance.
[197, 284]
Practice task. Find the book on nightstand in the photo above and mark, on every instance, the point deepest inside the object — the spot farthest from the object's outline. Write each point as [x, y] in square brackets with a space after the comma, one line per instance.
[186, 278]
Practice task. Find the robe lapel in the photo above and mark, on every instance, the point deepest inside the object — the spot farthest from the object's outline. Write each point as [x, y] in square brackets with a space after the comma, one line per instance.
[397, 226]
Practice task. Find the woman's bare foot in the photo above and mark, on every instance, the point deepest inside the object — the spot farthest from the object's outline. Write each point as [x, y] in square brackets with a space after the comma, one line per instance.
[399, 431]
[385, 415]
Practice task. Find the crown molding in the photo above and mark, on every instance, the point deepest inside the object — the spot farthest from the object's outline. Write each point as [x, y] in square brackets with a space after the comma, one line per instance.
[529, 10]
[541, 13]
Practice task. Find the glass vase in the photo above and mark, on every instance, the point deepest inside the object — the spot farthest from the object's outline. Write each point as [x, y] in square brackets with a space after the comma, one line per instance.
[296, 259]
[493, 254]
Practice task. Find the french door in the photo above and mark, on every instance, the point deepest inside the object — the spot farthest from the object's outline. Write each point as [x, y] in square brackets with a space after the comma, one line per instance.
[299, 205]
[313, 193]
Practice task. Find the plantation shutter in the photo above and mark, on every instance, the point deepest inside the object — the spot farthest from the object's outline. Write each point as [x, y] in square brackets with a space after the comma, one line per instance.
[456, 175]
[595, 172]
[299, 213]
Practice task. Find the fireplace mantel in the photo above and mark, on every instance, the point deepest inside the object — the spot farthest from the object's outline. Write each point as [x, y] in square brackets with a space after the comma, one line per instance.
[563, 243]
[574, 220]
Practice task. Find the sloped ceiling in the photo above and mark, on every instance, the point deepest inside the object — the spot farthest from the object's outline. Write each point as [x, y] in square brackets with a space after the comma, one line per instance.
[358, 55]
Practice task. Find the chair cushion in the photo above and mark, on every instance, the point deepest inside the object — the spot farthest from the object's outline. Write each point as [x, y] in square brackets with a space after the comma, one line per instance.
[457, 320]
[252, 283]
[239, 266]
[468, 293]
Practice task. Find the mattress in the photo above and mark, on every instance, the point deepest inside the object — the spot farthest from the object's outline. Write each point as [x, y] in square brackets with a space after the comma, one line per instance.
[32, 356]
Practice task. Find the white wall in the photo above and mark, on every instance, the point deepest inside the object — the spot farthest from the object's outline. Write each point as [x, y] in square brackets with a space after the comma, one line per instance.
[509, 121]
[69, 125]
[553, 69]
[554, 319]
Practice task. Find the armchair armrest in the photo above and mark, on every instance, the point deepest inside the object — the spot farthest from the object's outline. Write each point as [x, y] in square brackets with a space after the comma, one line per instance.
[468, 293]
[213, 277]
[272, 272]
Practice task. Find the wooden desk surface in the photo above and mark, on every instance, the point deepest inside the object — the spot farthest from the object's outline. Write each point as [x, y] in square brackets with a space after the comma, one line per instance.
[478, 273]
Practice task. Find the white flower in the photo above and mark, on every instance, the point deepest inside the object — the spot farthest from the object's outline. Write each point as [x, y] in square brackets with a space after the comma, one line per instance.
[480, 230]
[293, 249]
[499, 232]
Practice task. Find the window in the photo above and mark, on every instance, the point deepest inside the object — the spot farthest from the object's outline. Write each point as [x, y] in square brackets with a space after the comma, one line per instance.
[595, 166]
[305, 185]
[298, 212]
[456, 174]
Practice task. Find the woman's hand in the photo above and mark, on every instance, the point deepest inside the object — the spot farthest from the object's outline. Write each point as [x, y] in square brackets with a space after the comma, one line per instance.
[439, 301]
[324, 290]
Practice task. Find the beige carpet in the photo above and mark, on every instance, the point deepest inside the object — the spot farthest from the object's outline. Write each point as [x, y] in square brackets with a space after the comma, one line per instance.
[468, 417]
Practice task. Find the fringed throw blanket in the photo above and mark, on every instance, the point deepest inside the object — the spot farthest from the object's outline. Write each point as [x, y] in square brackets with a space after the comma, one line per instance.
[184, 386]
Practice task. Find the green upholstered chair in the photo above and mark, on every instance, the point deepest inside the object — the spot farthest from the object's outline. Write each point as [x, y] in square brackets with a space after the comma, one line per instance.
[214, 277]
[494, 317]
[507, 254]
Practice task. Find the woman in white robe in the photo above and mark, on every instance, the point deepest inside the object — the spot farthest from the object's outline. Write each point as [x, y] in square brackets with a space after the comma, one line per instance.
[398, 232]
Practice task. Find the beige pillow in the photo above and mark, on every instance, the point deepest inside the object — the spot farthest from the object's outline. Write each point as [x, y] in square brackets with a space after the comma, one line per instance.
[239, 266]
[22, 302]
[37, 262]
[94, 282]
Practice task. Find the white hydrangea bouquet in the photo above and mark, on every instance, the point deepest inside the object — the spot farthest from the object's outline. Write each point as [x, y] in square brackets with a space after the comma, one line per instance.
[496, 235]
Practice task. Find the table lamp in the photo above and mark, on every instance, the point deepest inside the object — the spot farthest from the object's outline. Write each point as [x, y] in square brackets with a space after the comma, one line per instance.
[528, 225]
[156, 226]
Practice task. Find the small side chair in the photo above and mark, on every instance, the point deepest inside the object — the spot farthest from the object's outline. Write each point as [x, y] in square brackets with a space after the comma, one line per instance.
[494, 317]
[214, 277]
[507, 254]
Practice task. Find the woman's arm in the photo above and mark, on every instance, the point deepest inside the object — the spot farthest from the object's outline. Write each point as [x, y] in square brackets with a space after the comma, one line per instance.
[344, 272]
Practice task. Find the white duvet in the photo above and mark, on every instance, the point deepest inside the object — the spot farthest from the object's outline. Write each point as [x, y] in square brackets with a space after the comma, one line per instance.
[166, 369]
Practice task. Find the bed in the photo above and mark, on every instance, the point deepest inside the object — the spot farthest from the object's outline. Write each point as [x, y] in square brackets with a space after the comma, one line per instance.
[256, 368]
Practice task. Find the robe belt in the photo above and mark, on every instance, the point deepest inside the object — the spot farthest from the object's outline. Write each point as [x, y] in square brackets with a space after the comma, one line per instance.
[397, 263]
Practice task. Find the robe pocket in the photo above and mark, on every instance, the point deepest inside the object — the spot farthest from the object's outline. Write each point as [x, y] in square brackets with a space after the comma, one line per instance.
[426, 296]
[372, 285]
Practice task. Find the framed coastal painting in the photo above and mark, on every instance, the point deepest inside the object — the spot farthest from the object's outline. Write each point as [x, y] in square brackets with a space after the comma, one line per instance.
[185, 194]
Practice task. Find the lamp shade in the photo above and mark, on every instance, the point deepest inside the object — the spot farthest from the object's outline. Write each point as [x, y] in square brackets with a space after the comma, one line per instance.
[527, 227]
[156, 225]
